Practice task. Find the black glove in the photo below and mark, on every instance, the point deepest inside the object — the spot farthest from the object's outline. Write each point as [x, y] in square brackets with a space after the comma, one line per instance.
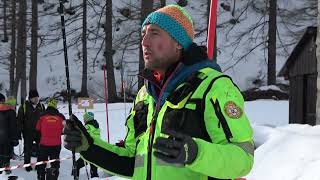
[14, 142]
[177, 148]
[76, 136]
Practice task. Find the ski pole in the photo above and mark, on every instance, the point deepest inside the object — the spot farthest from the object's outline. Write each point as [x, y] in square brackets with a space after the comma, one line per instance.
[212, 28]
[20, 147]
[65, 52]
[106, 97]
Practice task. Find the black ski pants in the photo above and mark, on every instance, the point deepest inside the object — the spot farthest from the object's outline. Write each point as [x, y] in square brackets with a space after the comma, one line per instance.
[30, 145]
[48, 153]
[5, 150]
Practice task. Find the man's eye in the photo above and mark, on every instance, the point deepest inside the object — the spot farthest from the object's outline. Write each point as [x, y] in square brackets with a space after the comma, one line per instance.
[155, 33]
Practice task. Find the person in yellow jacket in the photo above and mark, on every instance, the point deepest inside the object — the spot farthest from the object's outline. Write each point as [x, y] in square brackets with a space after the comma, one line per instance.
[188, 121]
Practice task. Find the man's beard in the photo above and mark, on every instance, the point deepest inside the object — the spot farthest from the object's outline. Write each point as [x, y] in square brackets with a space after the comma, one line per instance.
[160, 63]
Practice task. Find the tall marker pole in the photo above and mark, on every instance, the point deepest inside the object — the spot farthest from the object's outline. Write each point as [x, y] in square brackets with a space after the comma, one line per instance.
[61, 11]
[212, 28]
[106, 98]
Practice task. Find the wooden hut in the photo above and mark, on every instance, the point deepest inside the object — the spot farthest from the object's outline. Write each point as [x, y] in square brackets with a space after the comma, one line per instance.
[301, 71]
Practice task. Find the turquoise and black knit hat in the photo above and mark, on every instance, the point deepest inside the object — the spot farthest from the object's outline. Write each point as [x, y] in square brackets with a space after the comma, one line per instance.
[88, 116]
[175, 21]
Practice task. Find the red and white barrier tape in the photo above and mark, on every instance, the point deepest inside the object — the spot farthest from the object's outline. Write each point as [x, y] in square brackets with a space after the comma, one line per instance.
[32, 164]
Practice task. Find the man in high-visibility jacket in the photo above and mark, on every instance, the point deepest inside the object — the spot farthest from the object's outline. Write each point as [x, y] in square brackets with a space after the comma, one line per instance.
[188, 121]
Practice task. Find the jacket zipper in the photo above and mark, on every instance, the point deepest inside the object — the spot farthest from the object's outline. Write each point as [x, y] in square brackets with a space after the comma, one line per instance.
[151, 137]
[154, 121]
[151, 134]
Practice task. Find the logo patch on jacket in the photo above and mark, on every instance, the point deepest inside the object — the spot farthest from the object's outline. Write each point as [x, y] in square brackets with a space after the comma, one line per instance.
[232, 110]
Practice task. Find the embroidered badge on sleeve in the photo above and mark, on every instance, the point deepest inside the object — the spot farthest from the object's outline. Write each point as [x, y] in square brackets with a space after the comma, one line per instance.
[232, 110]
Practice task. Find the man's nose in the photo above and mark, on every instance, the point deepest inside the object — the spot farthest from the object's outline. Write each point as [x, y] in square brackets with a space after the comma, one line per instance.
[145, 40]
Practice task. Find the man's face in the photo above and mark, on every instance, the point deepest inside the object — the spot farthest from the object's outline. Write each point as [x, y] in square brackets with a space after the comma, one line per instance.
[34, 100]
[160, 51]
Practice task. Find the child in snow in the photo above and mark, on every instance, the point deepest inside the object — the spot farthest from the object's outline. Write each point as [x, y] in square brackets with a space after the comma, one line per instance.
[93, 129]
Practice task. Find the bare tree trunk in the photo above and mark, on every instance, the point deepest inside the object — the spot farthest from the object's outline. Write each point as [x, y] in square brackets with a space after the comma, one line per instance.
[272, 42]
[5, 33]
[13, 48]
[112, 92]
[34, 47]
[162, 3]
[21, 49]
[84, 88]
[318, 68]
[146, 8]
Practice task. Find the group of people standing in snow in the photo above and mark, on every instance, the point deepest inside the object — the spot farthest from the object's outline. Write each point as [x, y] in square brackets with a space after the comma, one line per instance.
[15, 126]
[21, 125]
[41, 130]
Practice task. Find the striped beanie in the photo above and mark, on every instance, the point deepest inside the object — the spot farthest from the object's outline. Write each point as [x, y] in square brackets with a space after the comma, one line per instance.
[175, 21]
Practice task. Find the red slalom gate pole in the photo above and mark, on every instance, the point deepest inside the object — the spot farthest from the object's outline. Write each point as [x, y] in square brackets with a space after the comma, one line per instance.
[212, 28]
[212, 35]
[106, 99]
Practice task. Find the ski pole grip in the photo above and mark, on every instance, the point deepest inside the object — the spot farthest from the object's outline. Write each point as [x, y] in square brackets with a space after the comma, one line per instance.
[71, 122]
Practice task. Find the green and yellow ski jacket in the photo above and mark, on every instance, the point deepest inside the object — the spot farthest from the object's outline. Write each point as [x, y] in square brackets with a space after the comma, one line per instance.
[196, 100]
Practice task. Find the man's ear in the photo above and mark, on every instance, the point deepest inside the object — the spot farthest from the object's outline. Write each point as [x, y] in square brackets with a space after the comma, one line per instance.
[179, 47]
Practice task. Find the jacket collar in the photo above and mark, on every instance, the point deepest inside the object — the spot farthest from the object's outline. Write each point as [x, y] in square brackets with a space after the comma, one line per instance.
[193, 60]
[52, 111]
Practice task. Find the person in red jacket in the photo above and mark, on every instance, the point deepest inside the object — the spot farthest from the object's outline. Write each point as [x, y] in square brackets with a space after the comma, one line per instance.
[50, 127]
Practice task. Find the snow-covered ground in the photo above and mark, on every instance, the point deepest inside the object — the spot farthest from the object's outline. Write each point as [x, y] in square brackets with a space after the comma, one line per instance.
[284, 152]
